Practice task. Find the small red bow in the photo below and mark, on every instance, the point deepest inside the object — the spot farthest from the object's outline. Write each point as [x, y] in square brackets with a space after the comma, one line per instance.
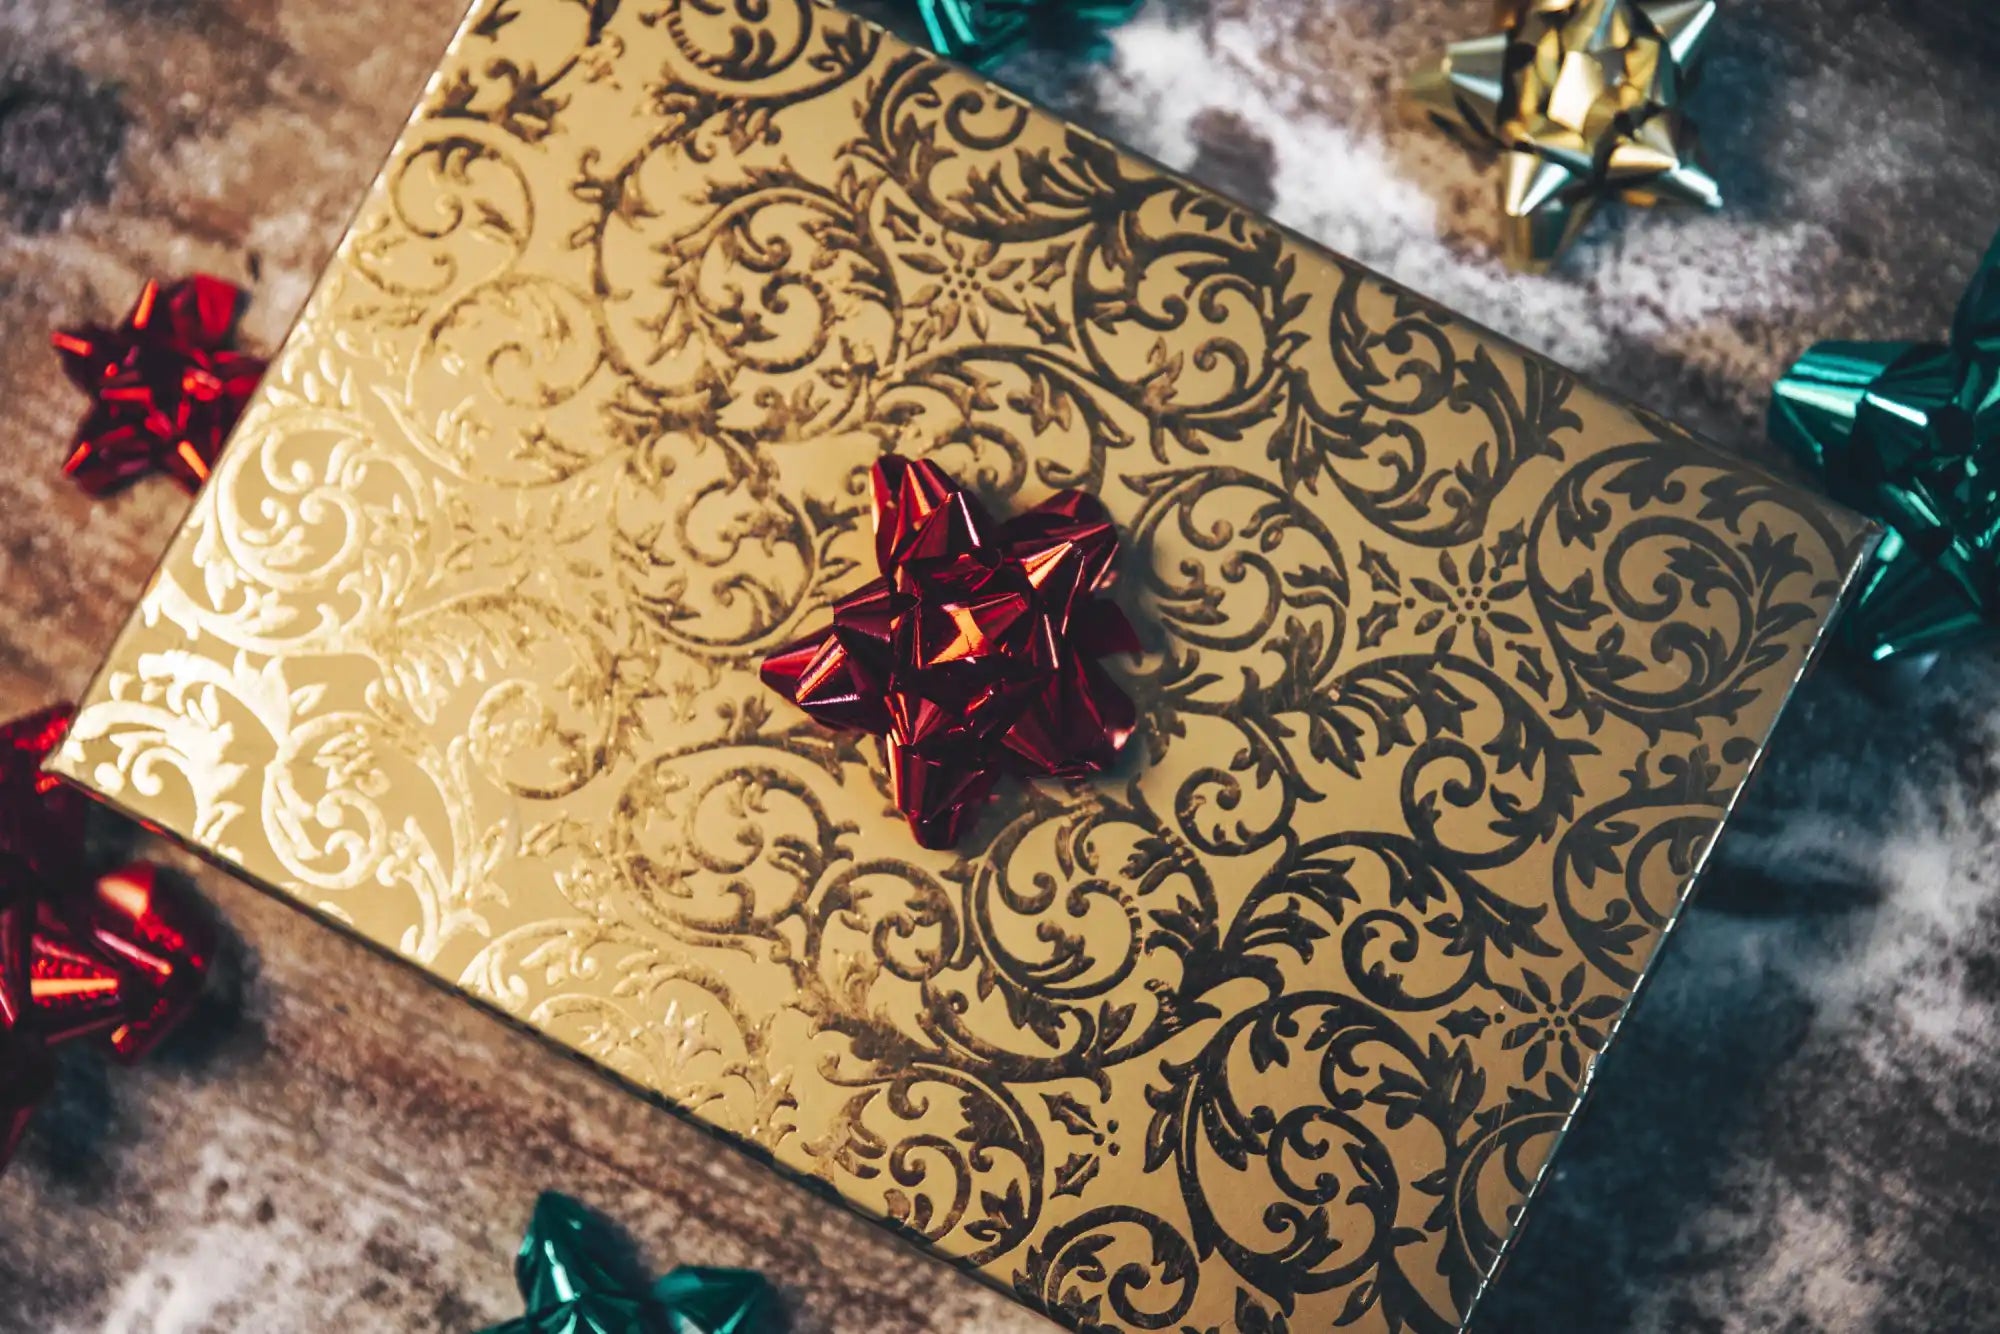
[165, 385]
[975, 654]
[119, 963]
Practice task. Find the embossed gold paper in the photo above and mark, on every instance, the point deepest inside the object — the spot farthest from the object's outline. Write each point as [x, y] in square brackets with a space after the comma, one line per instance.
[1456, 664]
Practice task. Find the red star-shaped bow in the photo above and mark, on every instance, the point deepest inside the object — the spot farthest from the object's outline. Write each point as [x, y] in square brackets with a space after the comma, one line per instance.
[165, 386]
[975, 654]
[119, 962]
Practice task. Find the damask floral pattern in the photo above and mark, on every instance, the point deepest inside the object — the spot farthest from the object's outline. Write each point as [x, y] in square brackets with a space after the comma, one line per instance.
[1454, 664]
[1479, 602]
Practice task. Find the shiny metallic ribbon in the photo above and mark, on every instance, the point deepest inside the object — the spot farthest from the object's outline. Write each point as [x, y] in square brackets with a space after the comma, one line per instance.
[572, 1281]
[1583, 102]
[983, 32]
[1909, 434]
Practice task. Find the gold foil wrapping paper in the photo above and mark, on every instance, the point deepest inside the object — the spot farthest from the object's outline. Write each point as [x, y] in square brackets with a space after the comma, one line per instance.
[1456, 664]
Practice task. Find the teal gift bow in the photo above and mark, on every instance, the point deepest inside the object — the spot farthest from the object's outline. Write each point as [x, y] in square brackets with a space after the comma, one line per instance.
[1909, 434]
[571, 1283]
[984, 32]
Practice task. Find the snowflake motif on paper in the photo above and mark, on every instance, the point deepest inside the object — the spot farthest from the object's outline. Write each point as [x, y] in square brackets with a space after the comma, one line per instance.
[1475, 599]
[1558, 1024]
[966, 281]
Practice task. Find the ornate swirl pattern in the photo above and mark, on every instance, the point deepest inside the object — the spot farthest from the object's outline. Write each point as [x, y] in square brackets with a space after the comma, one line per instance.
[1456, 665]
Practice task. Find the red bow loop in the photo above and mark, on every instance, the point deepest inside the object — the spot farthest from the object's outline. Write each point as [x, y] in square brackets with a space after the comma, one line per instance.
[975, 654]
[118, 961]
[166, 387]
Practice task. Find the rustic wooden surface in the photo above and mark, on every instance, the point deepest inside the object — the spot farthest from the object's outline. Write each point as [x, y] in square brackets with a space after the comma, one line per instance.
[1799, 1130]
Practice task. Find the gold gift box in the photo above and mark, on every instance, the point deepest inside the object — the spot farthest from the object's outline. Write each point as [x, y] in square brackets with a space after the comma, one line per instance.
[1457, 665]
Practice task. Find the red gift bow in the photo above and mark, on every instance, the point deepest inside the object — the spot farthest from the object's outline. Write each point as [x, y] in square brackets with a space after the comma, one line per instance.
[119, 963]
[165, 385]
[975, 654]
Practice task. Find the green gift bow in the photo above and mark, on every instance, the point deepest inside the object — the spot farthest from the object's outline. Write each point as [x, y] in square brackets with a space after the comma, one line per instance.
[983, 32]
[1909, 434]
[569, 1278]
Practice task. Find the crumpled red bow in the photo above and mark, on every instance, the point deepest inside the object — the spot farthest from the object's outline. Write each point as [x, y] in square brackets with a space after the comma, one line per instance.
[975, 654]
[117, 961]
[165, 385]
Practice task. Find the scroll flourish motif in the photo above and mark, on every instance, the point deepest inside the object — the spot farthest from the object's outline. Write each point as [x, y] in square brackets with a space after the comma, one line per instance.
[1453, 665]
